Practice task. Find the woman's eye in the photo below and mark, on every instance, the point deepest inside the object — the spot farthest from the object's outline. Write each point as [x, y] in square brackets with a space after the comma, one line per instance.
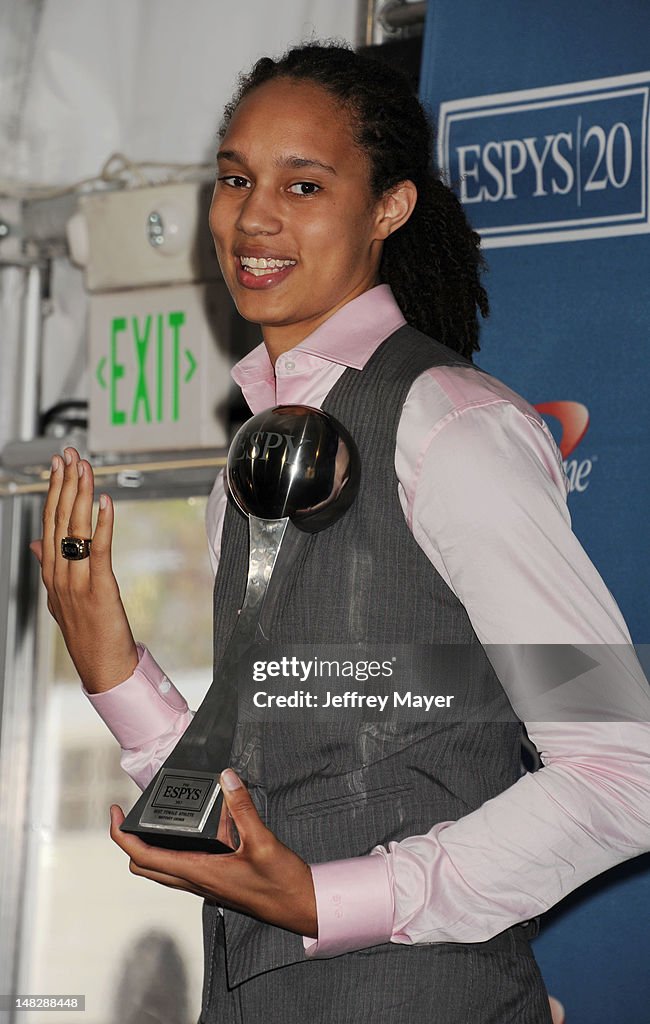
[304, 188]
[235, 181]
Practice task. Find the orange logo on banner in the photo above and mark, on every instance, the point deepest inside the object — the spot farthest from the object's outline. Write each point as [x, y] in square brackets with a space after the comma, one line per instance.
[574, 417]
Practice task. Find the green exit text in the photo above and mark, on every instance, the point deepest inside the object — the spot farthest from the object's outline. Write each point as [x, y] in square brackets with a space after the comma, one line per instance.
[154, 392]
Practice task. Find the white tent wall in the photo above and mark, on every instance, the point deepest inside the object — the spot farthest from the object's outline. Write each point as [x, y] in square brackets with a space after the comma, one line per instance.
[144, 77]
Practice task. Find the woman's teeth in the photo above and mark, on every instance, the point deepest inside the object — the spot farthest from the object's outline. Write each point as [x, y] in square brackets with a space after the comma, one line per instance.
[261, 266]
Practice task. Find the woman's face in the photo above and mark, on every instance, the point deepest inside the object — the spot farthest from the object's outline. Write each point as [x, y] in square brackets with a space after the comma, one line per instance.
[295, 228]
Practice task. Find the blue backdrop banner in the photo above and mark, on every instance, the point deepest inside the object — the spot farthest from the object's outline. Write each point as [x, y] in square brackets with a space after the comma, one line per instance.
[543, 116]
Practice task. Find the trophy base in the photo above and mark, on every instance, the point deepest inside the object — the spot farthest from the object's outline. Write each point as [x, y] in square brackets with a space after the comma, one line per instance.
[179, 810]
[177, 840]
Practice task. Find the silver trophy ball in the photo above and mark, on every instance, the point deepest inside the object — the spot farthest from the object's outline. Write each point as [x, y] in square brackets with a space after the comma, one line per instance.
[295, 462]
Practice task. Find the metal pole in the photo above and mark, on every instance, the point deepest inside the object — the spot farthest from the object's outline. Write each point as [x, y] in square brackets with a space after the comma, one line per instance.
[20, 717]
[397, 14]
[366, 22]
[21, 699]
[31, 337]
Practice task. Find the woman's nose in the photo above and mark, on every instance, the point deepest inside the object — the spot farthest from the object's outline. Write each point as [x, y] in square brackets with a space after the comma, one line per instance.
[258, 214]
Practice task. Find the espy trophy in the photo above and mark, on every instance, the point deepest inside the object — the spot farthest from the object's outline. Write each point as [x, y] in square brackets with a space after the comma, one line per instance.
[293, 470]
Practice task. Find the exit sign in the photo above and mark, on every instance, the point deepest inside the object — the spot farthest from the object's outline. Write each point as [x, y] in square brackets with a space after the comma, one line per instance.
[159, 368]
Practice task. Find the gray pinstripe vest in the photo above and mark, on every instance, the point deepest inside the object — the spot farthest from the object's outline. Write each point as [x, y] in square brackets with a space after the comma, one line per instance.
[334, 793]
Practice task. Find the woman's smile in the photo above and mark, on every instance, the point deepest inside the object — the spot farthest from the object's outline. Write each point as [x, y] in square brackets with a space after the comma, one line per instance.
[262, 271]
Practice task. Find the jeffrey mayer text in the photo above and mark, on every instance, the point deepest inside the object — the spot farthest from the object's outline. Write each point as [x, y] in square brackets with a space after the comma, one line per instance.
[350, 699]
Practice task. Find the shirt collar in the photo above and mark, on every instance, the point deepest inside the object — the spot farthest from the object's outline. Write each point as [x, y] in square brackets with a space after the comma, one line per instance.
[349, 337]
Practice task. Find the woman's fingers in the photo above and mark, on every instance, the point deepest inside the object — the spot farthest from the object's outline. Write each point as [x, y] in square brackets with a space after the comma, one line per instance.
[81, 514]
[101, 565]
[76, 495]
[67, 497]
[49, 518]
[37, 547]
[225, 830]
[171, 881]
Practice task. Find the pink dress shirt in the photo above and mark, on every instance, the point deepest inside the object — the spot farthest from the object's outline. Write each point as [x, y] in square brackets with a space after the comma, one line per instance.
[483, 490]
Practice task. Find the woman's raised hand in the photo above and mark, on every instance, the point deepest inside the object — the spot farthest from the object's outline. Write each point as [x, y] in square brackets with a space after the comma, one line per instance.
[83, 596]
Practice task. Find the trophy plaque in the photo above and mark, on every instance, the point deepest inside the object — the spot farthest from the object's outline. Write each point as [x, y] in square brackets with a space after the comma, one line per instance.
[292, 470]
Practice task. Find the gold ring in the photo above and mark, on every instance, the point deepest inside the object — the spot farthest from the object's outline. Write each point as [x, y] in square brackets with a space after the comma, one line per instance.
[75, 548]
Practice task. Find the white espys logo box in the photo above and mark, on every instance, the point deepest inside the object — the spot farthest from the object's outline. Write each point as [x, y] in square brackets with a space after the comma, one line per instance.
[556, 164]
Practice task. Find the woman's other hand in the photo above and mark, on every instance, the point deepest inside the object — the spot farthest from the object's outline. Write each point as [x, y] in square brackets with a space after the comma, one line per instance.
[263, 877]
[83, 596]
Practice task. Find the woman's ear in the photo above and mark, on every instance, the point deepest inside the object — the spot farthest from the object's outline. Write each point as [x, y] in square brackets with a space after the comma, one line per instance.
[395, 207]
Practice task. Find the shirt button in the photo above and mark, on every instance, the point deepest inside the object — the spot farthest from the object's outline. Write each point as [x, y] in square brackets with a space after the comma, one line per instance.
[289, 365]
[165, 686]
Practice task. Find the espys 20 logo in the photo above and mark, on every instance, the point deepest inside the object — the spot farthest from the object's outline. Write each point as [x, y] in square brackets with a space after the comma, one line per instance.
[560, 163]
[573, 418]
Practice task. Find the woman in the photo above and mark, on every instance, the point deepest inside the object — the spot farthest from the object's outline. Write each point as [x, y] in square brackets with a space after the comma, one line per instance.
[397, 871]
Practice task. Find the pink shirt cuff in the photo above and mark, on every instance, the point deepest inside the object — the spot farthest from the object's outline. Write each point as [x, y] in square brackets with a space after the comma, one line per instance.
[143, 707]
[354, 903]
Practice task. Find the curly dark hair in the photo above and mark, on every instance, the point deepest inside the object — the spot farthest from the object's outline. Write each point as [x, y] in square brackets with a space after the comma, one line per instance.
[433, 262]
